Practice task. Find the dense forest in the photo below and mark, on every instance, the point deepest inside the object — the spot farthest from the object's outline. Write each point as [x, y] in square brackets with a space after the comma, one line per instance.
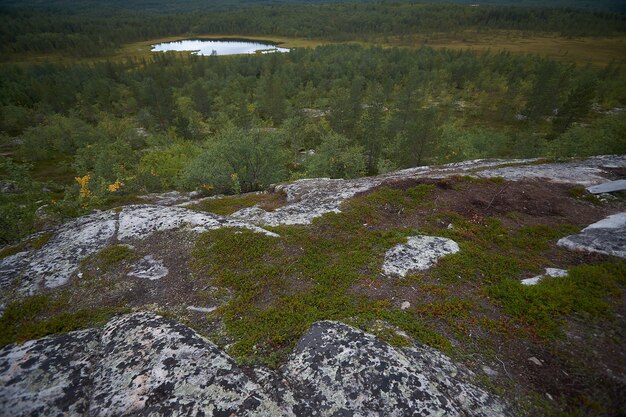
[163, 6]
[99, 31]
[86, 134]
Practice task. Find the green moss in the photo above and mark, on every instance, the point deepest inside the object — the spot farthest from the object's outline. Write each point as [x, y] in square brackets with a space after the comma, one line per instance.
[490, 252]
[373, 207]
[13, 249]
[42, 315]
[538, 238]
[113, 255]
[281, 286]
[278, 287]
[229, 204]
[40, 240]
[585, 291]
[579, 192]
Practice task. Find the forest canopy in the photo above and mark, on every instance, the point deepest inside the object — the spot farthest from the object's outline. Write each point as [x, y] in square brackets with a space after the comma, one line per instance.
[100, 30]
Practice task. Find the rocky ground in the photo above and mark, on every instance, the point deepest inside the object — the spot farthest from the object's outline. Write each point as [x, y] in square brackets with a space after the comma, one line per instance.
[477, 288]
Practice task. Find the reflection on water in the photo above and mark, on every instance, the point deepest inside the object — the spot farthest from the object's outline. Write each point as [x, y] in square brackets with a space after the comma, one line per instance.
[217, 47]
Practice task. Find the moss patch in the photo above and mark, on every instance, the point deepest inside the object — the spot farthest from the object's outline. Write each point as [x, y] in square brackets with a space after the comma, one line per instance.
[229, 204]
[34, 243]
[584, 291]
[42, 315]
[282, 286]
[113, 255]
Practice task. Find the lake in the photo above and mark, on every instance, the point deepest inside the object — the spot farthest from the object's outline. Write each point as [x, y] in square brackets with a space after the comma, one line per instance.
[218, 47]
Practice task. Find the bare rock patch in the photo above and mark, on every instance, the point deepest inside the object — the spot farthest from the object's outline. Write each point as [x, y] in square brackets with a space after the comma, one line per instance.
[419, 253]
[608, 236]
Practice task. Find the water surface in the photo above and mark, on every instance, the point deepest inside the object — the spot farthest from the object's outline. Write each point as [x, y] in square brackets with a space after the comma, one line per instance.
[218, 47]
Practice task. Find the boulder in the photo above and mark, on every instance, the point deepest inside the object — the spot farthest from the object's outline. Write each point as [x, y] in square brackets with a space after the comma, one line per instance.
[50, 376]
[138, 364]
[143, 364]
[337, 370]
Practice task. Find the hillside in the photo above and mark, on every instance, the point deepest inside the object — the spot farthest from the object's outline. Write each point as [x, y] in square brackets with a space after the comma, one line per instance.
[324, 208]
[487, 287]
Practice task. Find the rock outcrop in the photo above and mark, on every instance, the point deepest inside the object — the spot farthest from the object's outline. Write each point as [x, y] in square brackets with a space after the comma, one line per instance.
[142, 364]
[608, 236]
[53, 264]
[311, 198]
[608, 187]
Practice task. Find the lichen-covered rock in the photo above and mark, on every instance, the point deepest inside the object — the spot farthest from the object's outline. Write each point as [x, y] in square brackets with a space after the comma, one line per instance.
[582, 172]
[53, 264]
[608, 236]
[307, 199]
[151, 366]
[419, 253]
[138, 222]
[139, 364]
[608, 187]
[170, 198]
[337, 370]
[143, 364]
[49, 376]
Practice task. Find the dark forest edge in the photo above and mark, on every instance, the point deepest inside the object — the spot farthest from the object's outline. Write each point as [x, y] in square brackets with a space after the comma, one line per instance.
[162, 6]
[100, 31]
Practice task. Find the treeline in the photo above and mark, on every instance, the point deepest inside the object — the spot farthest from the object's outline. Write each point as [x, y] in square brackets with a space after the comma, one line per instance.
[236, 124]
[99, 30]
[168, 6]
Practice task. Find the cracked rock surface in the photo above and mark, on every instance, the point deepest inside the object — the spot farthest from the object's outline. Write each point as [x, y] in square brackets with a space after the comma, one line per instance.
[608, 236]
[419, 253]
[143, 364]
[54, 263]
